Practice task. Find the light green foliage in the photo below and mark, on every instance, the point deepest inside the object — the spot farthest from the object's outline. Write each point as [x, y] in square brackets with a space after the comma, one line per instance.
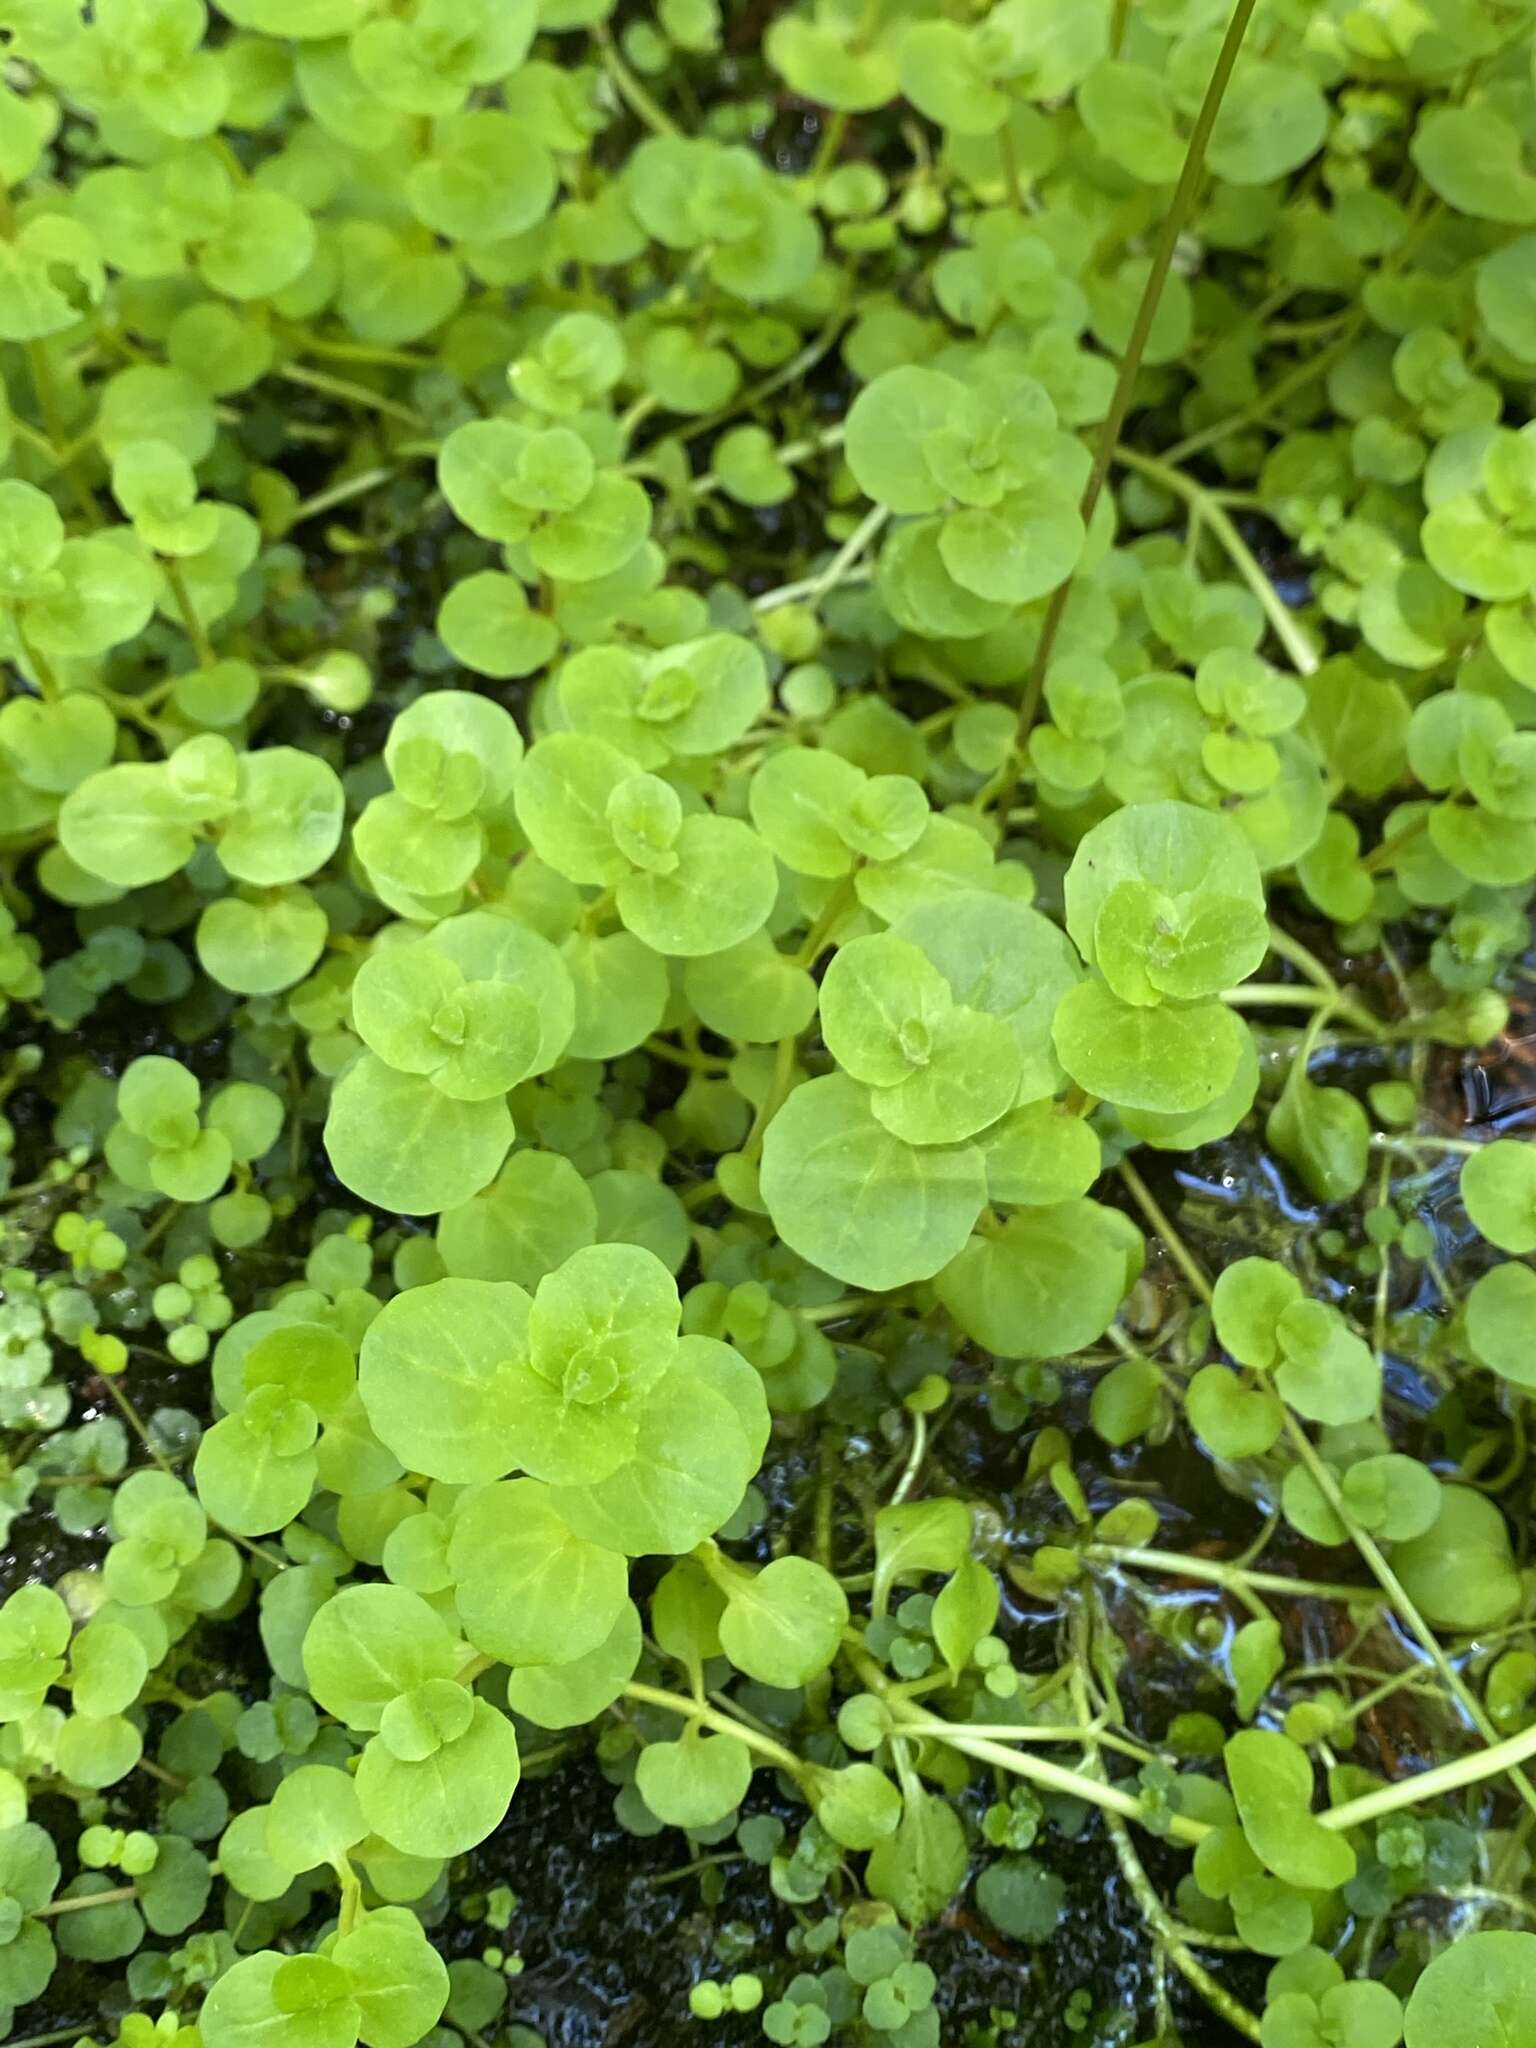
[1498, 1185]
[1308, 1998]
[1166, 902]
[743, 750]
[1486, 1984]
[380, 1984]
[439, 1771]
[1272, 1784]
[783, 1624]
[1322, 1132]
[1319, 1366]
[451, 1024]
[695, 1781]
[160, 1141]
[435, 1375]
[1460, 1570]
[1498, 1313]
[586, 1386]
[1049, 1281]
[990, 462]
[938, 1072]
[923, 1536]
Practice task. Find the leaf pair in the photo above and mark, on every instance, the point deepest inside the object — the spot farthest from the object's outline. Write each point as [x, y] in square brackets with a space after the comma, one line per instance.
[440, 1765]
[643, 1436]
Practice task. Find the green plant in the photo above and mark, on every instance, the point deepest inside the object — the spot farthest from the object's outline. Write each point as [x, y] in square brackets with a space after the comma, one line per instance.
[660, 794]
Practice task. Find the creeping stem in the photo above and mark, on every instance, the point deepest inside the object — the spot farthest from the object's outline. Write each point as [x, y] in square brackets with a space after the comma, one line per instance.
[837, 570]
[1170, 1937]
[349, 392]
[1497, 1757]
[1204, 504]
[1509, 1755]
[1175, 1246]
[629, 88]
[723, 1724]
[1041, 1771]
[119, 1895]
[1212, 1571]
[1306, 963]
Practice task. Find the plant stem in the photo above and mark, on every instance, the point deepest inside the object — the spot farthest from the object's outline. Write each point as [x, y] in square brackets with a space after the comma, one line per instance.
[778, 1090]
[1008, 150]
[349, 392]
[1306, 962]
[338, 494]
[161, 1774]
[1043, 1731]
[914, 1464]
[1216, 1573]
[1175, 1246]
[1303, 959]
[1384, 854]
[1130, 364]
[135, 1422]
[1287, 630]
[1169, 1934]
[1054, 1777]
[837, 905]
[1417, 1627]
[1173, 1940]
[630, 90]
[358, 352]
[1455, 1776]
[25, 431]
[792, 372]
[685, 1056]
[834, 1311]
[814, 588]
[791, 453]
[42, 669]
[1408, 1148]
[1313, 366]
[53, 419]
[116, 1897]
[723, 1724]
[829, 145]
[692, 1869]
[191, 624]
[807, 587]
[1275, 995]
[829, 1447]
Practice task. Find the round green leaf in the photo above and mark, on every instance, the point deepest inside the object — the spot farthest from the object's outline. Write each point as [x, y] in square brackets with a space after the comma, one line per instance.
[857, 1201]
[1499, 1326]
[784, 1624]
[1172, 1060]
[1460, 1573]
[1498, 1185]
[396, 1140]
[447, 1802]
[1481, 1988]
[436, 1374]
[719, 893]
[369, 1644]
[568, 1695]
[528, 1591]
[1045, 1284]
[696, 1781]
